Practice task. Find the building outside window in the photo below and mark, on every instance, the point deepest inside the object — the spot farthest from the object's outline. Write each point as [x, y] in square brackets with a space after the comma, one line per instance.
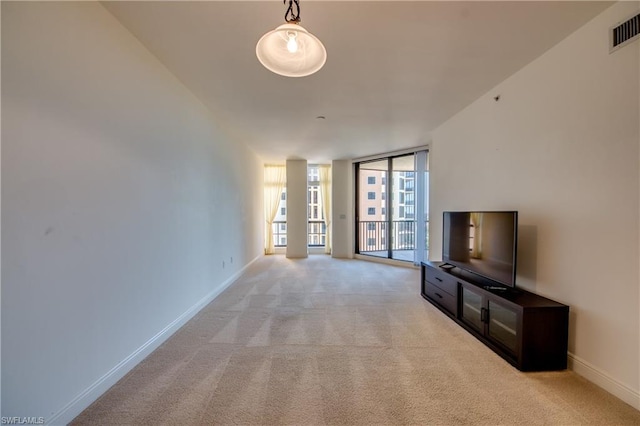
[409, 212]
[315, 204]
[409, 198]
[313, 174]
[316, 226]
[408, 185]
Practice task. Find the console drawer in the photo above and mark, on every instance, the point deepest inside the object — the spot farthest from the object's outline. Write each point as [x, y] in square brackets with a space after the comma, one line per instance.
[442, 298]
[443, 280]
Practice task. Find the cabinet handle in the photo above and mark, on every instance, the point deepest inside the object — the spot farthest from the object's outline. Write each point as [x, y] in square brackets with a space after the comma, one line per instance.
[439, 279]
[483, 315]
[439, 295]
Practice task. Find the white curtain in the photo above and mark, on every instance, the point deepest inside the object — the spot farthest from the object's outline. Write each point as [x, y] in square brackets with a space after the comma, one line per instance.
[275, 179]
[325, 194]
[422, 209]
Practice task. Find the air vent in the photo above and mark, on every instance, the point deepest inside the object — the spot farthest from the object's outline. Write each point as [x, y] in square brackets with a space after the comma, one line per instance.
[625, 33]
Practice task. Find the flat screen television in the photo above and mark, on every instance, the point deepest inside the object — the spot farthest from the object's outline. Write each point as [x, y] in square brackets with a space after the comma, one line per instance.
[483, 243]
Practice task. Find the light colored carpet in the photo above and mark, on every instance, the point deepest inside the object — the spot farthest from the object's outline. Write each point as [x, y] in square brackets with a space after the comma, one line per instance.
[326, 341]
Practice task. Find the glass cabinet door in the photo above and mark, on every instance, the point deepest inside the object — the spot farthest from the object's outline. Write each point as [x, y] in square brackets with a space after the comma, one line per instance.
[472, 309]
[503, 326]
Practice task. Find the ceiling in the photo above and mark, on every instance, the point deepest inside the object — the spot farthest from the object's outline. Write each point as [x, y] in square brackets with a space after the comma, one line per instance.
[395, 70]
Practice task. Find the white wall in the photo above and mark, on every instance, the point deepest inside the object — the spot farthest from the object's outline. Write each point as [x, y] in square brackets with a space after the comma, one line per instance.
[121, 201]
[561, 146]
[297, 205]
[342, 209]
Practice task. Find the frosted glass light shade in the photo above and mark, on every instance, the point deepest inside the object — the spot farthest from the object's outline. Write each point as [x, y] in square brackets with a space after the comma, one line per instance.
[273, 53]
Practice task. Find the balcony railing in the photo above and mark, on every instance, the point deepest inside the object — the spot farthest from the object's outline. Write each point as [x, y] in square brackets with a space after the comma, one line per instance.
[316, 231]
[373, 235]
[280, 233]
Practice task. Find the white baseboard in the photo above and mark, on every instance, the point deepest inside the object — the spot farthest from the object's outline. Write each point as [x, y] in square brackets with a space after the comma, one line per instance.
[93, 392]
[385, 260]
[606, 382]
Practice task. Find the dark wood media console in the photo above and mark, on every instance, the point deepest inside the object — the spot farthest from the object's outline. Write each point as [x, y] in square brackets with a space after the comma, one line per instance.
[527, 330]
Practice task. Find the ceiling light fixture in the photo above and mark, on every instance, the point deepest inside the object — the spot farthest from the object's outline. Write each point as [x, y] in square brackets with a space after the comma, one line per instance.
[290, 50]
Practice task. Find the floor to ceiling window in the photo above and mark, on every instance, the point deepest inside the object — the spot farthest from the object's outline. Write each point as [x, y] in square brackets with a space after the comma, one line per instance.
[392, 210]
[275, 179]
[317, 228]
[280, 222]
[319, 199]
[318, 208]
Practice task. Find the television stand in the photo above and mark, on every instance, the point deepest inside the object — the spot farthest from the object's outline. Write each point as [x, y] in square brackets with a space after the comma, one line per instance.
[527, 330]
[495, 287]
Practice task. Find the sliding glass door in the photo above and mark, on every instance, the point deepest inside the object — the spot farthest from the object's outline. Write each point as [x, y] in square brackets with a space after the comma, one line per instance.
[402, 207]
[372, 217]
[391, 207]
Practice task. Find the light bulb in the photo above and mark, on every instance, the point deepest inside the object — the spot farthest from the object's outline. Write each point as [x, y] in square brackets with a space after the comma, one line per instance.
[292, 44]
[303, 55]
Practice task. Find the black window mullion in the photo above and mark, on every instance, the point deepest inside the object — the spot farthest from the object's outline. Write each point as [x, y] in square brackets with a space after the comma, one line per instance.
[388, 207]
[357, 215]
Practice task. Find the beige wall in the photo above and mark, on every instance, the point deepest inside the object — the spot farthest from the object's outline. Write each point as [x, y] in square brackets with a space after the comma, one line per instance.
[342, 209]
[561, 146]
[125, 208]
[297, 205]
